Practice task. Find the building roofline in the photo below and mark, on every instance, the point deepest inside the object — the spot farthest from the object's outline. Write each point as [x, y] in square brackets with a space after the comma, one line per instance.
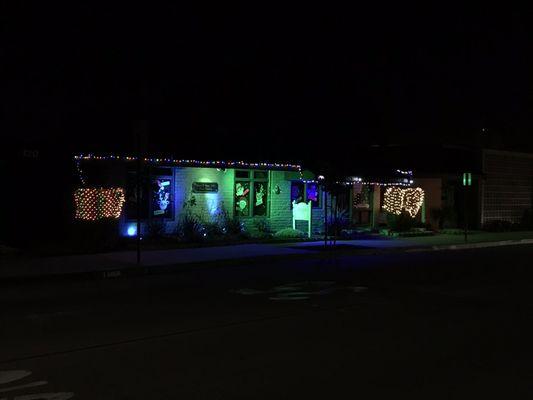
[171, 162]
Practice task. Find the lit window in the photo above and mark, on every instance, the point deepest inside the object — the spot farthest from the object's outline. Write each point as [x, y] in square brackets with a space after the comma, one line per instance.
[301, 192]
[251, 193]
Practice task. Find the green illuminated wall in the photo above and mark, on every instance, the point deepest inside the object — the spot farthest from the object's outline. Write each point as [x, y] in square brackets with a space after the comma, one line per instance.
[206, 204]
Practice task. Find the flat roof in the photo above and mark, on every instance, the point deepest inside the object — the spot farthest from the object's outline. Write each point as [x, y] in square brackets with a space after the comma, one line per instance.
[168, 161]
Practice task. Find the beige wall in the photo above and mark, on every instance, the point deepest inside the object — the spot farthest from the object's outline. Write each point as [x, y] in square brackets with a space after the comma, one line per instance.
[433, 197]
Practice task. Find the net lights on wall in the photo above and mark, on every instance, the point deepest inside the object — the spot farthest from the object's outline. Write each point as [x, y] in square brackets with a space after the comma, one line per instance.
[193, 163]
[98, 203]
[397, 199]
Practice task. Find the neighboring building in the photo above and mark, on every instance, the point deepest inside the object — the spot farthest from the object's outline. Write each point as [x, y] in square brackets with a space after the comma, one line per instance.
[507, 186]
[501, 186]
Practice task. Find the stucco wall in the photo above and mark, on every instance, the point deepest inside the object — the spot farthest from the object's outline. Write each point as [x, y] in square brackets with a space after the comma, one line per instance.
[432, 197]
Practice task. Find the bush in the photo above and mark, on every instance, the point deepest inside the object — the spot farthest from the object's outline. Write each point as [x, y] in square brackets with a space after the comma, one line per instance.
[400, 223]
[498, 225]
[289, 233]
[263, 226]
[213, 229]
[446, 217]
[228, 224]
[95, 236]
[190, 228]
[527, 219]
[155, 228]
[338, 223]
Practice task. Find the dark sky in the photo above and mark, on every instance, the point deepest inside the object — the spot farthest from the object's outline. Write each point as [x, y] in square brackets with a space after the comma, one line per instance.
[265, 83]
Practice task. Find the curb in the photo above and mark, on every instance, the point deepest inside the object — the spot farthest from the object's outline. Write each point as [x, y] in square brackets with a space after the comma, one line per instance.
[468, 246]
[137, 271]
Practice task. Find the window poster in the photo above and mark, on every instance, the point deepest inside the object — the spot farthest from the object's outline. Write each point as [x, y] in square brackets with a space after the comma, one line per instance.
[242, 198]
[161, 198]
[260, 198]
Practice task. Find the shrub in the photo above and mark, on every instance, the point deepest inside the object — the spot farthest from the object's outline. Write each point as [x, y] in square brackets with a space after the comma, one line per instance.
[95, 236]
[228, 224]
[289, 233]
[527, 219]
[446, 217]
[263, 226]
[400, 223]
[213, 229]
[190, 228]
[155, 228]
[498, 225]
[339, 222]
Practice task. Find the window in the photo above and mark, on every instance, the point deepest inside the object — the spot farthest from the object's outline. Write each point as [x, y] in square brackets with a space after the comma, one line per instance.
[260, 198]
[313, 194]
[301, 191]
[251, 193]
[242, 198]
[297, 192]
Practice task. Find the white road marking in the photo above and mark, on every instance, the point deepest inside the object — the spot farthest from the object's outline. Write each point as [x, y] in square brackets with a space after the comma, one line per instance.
[46, 396]
[17, 375]
[13, 375]
[27, 385]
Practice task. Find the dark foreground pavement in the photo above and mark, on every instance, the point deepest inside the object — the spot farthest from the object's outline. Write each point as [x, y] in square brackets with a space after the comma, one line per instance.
[434, 325]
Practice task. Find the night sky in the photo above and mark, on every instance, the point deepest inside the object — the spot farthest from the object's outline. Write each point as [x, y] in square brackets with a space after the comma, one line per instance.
[265, 83]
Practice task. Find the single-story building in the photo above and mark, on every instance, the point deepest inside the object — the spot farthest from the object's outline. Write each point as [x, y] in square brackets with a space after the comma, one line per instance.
[170, 188]
[281, 195]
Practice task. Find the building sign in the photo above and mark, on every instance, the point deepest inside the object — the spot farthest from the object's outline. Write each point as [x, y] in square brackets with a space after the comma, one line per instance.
[205, 187]
[302, 212]
[161, 197]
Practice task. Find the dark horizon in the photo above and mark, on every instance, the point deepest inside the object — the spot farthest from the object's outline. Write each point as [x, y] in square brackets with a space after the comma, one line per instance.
[266, 86]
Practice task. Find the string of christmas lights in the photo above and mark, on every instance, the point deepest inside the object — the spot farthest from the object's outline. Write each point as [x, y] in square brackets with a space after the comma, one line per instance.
[80, 173]
[404, 172]
[397, 199]
[404, 183]
[193, 163]
[98, 203]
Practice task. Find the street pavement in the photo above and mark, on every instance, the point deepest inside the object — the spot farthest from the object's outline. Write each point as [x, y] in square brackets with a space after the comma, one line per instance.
[436, 325]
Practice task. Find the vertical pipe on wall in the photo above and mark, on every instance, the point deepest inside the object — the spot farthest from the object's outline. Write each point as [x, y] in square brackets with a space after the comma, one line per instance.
[325, 218]
[138, 194]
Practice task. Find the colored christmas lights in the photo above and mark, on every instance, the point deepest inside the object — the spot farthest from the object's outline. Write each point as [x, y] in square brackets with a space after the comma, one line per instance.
[97, 203]
[194, 163]
[404, 172]
[397, 199]
[361, 181]
[80, 173]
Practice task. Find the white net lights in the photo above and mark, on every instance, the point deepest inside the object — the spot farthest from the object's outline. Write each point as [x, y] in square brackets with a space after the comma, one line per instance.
[97, 203]
[397, 199]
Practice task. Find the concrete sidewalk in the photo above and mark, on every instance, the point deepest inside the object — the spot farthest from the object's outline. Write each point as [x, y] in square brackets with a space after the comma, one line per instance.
[17, 267]
[27, 268]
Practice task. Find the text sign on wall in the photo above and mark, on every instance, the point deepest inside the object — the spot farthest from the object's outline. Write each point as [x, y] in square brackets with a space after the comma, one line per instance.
[205, 187]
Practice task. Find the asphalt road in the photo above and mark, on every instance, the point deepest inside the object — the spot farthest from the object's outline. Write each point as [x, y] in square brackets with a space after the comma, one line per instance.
[437, 325]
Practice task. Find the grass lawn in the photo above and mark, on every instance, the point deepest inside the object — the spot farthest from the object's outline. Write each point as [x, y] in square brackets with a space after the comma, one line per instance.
[473, 237]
